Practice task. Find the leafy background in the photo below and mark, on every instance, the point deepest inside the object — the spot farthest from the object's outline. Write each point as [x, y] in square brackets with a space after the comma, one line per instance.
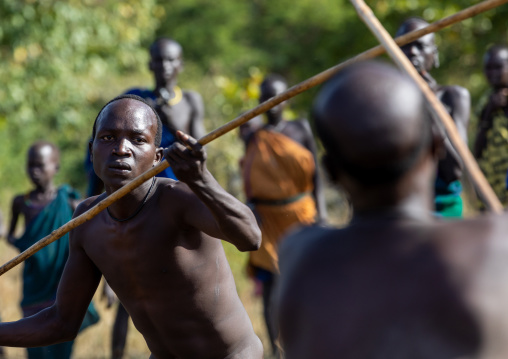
[60, 61]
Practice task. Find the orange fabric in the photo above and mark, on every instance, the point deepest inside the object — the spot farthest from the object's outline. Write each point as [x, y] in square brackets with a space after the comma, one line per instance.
[276, 167]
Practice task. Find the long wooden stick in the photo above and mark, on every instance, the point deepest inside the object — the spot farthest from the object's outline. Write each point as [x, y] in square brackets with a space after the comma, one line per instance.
[437, 107]
[265, 106]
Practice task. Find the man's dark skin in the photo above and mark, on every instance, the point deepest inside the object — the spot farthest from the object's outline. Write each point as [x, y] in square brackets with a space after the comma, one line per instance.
[165, 263]
[179, 110]
[166, 63]
[297, 130]
[396, 282]
[424, 56]
[495, 67]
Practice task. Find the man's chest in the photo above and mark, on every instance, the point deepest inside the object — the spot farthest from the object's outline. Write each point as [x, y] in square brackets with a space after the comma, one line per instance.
[178, 117]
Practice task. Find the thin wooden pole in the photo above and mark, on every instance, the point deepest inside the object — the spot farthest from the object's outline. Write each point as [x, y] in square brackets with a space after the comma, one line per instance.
[437, 107]
[262, 108]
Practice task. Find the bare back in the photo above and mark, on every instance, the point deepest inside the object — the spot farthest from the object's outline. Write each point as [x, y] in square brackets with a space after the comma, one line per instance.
[174, 281]
[394, 289]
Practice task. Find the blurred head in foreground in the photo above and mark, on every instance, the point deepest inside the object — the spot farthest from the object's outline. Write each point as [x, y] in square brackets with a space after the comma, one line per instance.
[376, 130]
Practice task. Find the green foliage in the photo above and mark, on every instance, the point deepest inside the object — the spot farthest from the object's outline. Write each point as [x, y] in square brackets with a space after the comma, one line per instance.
[60, 61]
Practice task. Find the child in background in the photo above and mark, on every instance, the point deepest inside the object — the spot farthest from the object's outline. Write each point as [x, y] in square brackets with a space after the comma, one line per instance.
[45, 208]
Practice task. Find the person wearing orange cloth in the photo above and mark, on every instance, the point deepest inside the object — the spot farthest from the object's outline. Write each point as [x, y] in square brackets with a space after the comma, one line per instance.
[282, 187]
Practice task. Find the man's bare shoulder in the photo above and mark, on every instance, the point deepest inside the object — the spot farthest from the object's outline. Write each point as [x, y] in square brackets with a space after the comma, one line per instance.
[87, 204]
[302, 244]
[456, 94]
[300, 124]
[18, 201]
[175, 189]
[194, 98]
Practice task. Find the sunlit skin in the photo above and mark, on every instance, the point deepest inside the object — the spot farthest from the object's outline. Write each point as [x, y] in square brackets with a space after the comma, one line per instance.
[396, 282]
[166, 263]
[166, 63]
[424, 56]
[179, 110]
[495, 67]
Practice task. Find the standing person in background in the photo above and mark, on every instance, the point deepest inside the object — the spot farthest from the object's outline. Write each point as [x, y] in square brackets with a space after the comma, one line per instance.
[44, 209]
[282, 186]
[2, 234]
[424, 56]
[491, 145]
[178, 110]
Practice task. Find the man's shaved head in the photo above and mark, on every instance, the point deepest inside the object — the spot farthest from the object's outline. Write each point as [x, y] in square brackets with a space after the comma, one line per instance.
[373, 122]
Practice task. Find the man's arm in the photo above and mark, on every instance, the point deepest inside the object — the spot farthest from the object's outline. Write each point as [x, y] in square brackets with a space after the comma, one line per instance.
[15, 212]
[197, 128]
[224, 216]
[61, 321]
[310, 144]
[458, 101]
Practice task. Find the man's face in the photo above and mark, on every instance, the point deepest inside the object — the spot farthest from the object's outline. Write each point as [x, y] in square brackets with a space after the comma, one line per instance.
[271, 89]
[42, 165]
[496, 68]
[124, 147]
[421, 52]
[166, 61]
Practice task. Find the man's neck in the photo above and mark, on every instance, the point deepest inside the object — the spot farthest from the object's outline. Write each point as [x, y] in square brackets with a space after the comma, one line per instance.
[47, 189]
[402, 212]
[168, 86]
[274, 121]
[125, 205]
[409, 198]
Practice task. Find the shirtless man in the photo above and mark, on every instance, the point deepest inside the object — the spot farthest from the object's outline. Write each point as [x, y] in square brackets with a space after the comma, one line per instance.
[396, 282]
[491, 143]
[424, 56]
[179, 110]
[282, 185]
[157, 247]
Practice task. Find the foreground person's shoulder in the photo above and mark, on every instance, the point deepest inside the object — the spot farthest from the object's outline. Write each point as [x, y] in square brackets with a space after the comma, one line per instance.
[88, 203]
[171, 187]
[303, 239]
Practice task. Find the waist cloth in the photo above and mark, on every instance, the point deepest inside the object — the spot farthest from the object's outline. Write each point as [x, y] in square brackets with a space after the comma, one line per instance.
[278, 175]
[43, 270]
[447, 200]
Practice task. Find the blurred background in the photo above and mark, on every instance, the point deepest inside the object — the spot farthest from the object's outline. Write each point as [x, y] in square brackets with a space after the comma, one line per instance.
[61, 61]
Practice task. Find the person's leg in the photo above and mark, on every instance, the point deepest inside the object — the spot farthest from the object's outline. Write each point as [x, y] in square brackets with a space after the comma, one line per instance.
[120, 329]
[59, 351]
[35, 353]
[267, 311]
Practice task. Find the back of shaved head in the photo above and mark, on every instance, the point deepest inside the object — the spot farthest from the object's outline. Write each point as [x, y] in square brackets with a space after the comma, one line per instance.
[373, 122]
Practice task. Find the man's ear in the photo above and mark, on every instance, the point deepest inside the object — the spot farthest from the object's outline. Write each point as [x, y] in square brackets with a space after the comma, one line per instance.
[158, 156]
